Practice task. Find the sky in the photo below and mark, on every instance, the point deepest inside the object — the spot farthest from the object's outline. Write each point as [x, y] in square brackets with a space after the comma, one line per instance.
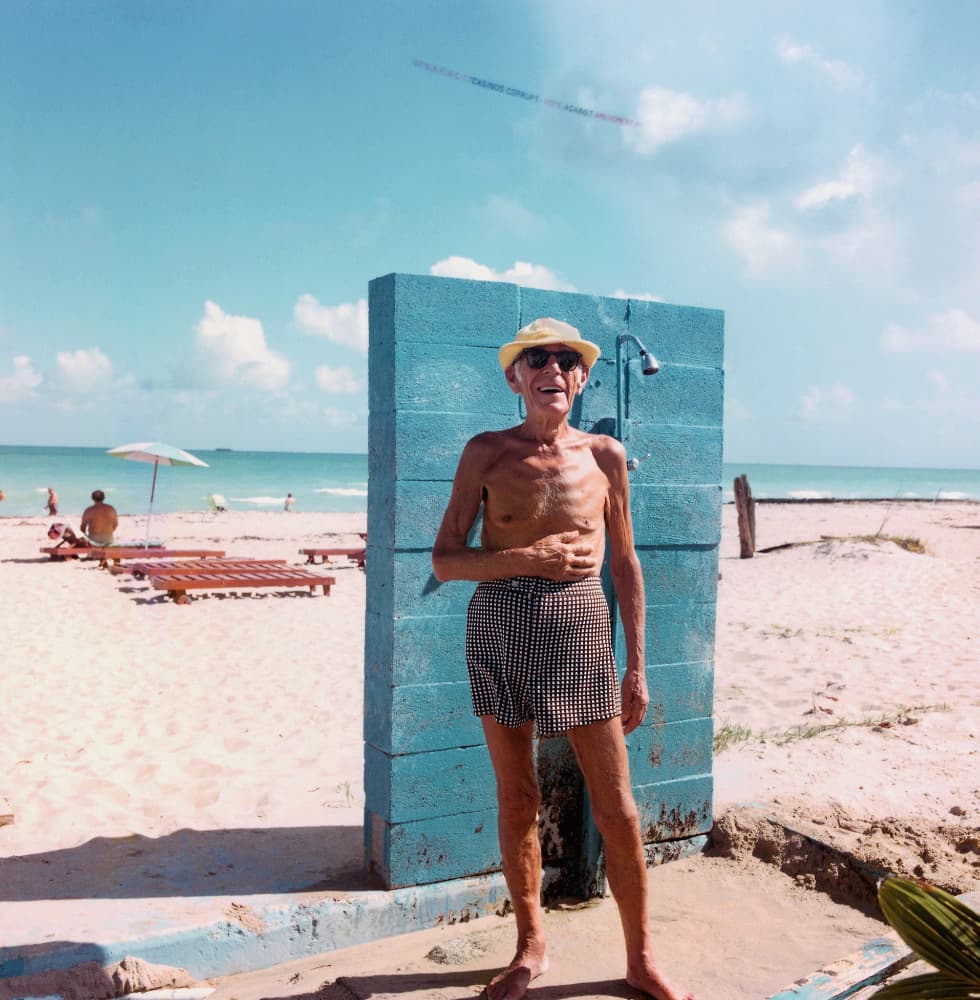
[195, 195]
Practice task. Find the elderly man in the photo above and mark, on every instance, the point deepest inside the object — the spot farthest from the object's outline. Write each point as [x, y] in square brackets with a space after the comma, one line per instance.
[538, 643]
[100, 520]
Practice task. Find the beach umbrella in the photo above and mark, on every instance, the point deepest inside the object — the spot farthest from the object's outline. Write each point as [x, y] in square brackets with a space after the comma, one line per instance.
[159, 454]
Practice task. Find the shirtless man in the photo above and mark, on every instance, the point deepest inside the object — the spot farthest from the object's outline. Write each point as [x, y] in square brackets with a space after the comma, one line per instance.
[100, 520]
[52, 502]
[538, 643]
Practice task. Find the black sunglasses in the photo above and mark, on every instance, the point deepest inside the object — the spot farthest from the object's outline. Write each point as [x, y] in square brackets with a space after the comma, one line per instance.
[537, 357]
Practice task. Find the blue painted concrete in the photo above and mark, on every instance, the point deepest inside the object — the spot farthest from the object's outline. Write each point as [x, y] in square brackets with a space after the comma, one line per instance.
[871, 966]
[220, 936]
[435, 382]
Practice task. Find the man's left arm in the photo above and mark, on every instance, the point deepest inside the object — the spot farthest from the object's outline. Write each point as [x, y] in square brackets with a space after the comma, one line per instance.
[627, 579]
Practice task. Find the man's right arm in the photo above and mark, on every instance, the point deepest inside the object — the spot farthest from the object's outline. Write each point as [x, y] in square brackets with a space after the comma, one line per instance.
[555, 557]
[452, 558]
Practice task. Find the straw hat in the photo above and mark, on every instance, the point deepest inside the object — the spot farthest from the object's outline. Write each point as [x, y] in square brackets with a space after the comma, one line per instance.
[547, 331]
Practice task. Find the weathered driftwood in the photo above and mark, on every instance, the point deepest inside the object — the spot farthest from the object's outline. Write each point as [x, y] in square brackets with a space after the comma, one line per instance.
[745, 506]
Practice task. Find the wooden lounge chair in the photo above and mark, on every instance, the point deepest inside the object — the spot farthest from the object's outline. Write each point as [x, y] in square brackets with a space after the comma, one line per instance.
[113, 553]
[141, 569]
[357, 555]
[177, 583]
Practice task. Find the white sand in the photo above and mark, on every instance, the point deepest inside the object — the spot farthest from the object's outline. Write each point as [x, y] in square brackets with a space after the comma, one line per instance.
[124, 713]
[130, 714]
[849, 634]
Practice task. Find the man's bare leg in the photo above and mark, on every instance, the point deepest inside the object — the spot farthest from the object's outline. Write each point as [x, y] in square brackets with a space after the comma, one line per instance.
[601, 752]
[518, 799]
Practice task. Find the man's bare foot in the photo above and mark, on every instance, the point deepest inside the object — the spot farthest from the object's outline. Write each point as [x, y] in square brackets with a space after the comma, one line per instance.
[650, 980]
[512, 983]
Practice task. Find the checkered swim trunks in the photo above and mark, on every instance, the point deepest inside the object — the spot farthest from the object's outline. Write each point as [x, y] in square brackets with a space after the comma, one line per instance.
[541, 649]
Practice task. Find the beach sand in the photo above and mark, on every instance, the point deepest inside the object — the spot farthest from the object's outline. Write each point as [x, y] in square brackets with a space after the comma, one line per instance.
[846, 694]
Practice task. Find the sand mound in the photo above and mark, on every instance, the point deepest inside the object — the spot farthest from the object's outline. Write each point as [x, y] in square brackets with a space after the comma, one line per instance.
[844, 856]
[91, 981]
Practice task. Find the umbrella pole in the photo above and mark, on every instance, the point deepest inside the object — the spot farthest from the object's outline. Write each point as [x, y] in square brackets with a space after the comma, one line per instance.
[149, 516]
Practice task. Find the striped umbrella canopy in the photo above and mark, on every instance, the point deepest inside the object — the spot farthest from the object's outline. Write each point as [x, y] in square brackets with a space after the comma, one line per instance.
[159, 454]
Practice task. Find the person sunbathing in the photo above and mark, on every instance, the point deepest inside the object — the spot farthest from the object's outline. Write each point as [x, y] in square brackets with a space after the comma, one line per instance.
[65, 536]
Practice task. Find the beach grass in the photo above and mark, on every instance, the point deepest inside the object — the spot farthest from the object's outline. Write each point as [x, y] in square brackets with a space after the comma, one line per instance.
[729, 735]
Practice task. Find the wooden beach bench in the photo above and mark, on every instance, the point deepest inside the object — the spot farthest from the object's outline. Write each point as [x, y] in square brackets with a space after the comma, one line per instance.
[114, 553]
[357, 555]
[142, 569]
[178, 582]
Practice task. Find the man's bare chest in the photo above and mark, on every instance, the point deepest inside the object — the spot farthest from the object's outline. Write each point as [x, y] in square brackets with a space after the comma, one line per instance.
[533, 491]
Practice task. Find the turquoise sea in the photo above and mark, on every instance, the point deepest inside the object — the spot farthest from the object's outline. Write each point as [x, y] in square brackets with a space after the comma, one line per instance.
[248, 480]
[334, 482]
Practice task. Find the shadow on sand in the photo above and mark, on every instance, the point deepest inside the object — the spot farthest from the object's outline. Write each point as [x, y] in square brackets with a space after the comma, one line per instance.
[194, 863]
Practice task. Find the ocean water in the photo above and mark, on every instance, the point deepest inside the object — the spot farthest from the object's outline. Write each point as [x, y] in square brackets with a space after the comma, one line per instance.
[333, 482]
[248, 480]
[845, 482]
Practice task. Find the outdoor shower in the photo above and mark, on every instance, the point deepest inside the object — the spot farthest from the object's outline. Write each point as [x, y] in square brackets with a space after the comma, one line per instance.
[649, 365]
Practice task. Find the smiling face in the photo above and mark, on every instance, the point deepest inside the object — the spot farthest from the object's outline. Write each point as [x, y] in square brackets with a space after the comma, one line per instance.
[547, 390]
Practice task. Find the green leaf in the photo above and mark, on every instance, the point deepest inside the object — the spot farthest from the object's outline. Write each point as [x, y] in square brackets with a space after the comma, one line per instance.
[935, 925]
[932, 986]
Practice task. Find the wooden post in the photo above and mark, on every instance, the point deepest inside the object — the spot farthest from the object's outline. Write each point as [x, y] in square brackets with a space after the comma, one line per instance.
[745, 506]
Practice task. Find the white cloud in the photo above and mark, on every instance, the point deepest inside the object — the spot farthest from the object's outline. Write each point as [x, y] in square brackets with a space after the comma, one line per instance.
[336, 380]
[83, 370]
[969, 193]
[636, 296]
[346, 324]
[834, 403]
[522, 273]
[736, 410]
[512, 215]
[666, 116]
[837, 70]
[21, 382]
[237, 347]
[952, 330]
[942, 402]
[872, 247]
[340, 418]
[762, 246]
[857, 179]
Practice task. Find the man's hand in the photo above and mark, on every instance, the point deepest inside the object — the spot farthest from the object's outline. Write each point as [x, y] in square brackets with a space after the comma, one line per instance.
[563, 557]
[635, 699]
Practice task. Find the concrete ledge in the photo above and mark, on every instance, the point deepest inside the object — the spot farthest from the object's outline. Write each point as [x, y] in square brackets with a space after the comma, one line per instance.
[223, 935]
[873, 964]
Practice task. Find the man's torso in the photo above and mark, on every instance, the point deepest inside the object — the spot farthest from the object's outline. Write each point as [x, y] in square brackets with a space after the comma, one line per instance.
[99, 519]
[531, 491]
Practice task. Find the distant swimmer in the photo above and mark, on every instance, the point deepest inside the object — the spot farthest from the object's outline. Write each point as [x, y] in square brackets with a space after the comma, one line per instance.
[52, 502]
[100, 520]
[3, 496]
[290, 502]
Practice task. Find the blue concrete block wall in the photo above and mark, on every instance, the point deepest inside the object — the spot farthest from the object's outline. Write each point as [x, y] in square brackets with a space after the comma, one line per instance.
[434, 382]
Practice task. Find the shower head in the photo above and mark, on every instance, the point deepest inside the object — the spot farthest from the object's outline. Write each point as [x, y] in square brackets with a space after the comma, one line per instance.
[649, 365]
